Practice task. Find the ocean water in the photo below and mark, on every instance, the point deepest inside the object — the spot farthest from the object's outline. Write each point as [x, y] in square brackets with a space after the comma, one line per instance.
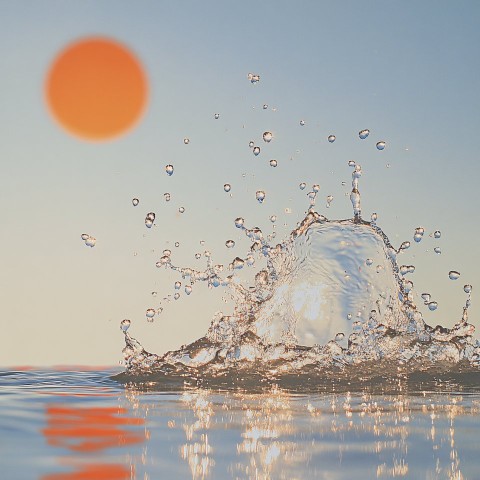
[74, 425]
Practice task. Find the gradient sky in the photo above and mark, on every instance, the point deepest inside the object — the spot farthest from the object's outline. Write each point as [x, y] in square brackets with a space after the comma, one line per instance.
[406, 70]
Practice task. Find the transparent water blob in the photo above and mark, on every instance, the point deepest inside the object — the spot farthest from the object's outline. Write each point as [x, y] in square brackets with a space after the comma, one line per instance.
[349, 316]
[229, 243]
[85, 236]
[351, 163]
[273, 218]
[89, 240]
[154, 294]
[339, 336]
[437, 250]
[467, 288]
[125, 325]
[273, 163]
[256, 150]
[381, 145]
[369, 261]
[302, 123]
[169, 170]
[265, 106]
[437, 233]
[135, 202]
[251, 143]
[363, 134]
[426, 297]
[418, 235]
[216, 116]
[181, 209]
[177, 244]
[239, 221]
[149, 219]
[260, 196]
[167, 197]
[227, 187]
[176, 296]
[453, 275]
[238, 263]
[167, 252]
[331, 138]
[432, 306]
[267, 137]
[198, 256]
[405, 245]
[329, 200]
[177, 285]
[186, 141]
[188, 289]
[302, 186]
[150, 313]
[253, 77]
[374, 217]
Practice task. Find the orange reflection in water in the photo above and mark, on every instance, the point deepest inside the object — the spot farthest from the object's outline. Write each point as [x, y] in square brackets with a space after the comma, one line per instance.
[86, 430]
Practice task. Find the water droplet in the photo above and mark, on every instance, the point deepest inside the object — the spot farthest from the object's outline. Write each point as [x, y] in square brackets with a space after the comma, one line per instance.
[302, 123]
[339, 336]
[273, 218]
[351, 163]
[374, 217]
[437, 234]
[181, 209]
[426, 297]
[369, 261]
[125, 325]
[169, 170]
[437, 250]
[273, 163]
[363, 134]
[227, 187]
[177, 285]
[135, 202]
[418, 235]
[90, 241]
[198, 256]
[188, 289]
[453, 275]
[381, 145]
[229, 243]
[432, 306]
[253, 77]
[251, 143]
[176, 296]
[329, 201]
[239, 222]
[167, 196]
[150, 313]
[467, 288]
[379, 268]
[302, 186]
[256, 150]
[265, 106]
[267, 137]
[186, 141]
[154, 294]
[177, 244]
[149, 219]
[331, 138]
[405, 246]
[349, 316]
[260, 196]
[167, 252]
[238, 263]
[216, 116]
[85, 236]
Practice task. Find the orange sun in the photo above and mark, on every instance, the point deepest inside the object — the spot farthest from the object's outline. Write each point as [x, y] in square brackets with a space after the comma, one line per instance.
[96, 88]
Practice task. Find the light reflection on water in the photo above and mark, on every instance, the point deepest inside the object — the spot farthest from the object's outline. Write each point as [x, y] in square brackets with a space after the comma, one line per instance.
[85, 426]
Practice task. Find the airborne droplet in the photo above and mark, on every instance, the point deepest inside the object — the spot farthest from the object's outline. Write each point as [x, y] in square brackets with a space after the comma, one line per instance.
[135, 202]
[467, 288]
[227, 187]
[381, 145]
[181, 209]
[432, 306]
[437, 250]
[149, 219]
[253, 77]
[186, 141]
[363, 134]
[239, 222]
[267, 137]
[167, 197]
[273, 218]
[216, 116]
[229, 243]
[260, 196]
[150, 313]
[453, 275]
[273, 163]
[125, 325]
[188, 289]
[302, 123]
[437, 234]
[331, 138]
[256, 150]
[302, 186]
[169, 170]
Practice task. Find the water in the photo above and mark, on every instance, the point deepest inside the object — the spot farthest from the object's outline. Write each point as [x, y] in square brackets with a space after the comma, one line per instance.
[94, 424]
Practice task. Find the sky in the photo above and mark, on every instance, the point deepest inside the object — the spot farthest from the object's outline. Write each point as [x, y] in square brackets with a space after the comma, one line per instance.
[408, 71]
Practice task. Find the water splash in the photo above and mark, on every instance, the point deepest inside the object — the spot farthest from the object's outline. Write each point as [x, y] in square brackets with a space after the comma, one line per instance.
[329, 297]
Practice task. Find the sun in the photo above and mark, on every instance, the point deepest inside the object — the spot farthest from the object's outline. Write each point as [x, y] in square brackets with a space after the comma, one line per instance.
[96, 88]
